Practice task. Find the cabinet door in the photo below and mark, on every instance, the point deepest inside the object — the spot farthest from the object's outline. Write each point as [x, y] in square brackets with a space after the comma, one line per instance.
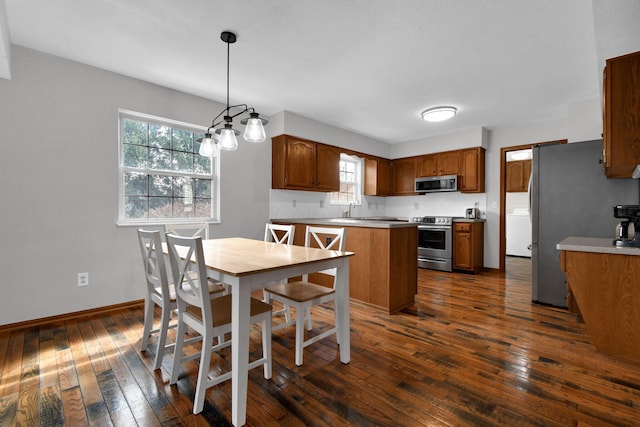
[526, 174]
[327, 168]
[518, 173]
[622, 115]
[300, 164]
[462, 247]
[472, 170]
[448, 163]
[427, 165]
[515, 171]
[384, 177]
[377, 177]
[404, 176]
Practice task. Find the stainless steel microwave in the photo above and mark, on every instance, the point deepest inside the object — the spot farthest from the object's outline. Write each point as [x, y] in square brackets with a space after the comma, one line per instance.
[434, 184]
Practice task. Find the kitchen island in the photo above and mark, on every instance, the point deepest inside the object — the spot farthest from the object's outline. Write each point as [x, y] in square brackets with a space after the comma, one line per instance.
[604, 288]
[383, 271]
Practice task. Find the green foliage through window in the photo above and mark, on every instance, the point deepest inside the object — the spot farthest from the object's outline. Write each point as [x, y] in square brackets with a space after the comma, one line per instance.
[164, 177]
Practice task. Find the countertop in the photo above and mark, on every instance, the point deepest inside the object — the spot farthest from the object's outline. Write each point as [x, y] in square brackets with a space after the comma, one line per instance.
[603, 245]
[369, 222]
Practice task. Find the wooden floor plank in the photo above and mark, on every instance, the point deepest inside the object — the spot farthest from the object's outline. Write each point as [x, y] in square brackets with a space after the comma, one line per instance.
[472, 351]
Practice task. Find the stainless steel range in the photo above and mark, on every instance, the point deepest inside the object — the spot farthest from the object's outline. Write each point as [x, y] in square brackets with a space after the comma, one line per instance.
[435, 242]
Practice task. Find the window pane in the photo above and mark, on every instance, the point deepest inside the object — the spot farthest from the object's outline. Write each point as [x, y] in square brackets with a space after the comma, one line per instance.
[160, 185]
[136, 183]
[159, 136]
[159, 207]
[203, 208]
[135, 207]
[183, 162]
[183, 207]
[203, 188]
[201, 164]
[134, 132]
[134, 156]
[182, 187]
[182, 140]
[159, 159]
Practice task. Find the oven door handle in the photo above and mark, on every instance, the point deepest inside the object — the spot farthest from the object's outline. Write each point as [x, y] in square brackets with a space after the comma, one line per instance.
[434, 227]
[433, 260]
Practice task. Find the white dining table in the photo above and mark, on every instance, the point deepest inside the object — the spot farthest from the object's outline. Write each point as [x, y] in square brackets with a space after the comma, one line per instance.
[247, 265]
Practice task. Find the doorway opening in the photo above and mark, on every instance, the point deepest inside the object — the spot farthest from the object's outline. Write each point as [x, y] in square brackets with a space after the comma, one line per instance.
[515, 199]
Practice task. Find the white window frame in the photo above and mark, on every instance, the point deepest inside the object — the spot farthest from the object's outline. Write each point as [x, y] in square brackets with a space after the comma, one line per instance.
[214, 176]
[358, 181]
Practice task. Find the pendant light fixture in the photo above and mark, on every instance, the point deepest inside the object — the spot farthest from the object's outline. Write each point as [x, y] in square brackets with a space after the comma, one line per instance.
[224, 137]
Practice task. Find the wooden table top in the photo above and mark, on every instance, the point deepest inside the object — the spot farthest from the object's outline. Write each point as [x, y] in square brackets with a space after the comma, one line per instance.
[239, 256]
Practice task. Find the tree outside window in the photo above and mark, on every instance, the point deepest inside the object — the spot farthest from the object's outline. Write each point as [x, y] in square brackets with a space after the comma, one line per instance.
[163, 176]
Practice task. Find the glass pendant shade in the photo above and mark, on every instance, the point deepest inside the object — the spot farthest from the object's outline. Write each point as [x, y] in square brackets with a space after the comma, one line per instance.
[228, 139]
[254, 131]
[208, 147]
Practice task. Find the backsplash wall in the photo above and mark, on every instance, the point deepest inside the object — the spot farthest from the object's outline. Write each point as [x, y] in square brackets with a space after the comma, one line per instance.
[309, 204]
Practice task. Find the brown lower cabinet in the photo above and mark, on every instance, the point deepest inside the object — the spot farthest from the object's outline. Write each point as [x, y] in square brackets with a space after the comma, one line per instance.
[604, 291]
[383, 272]
[468, 246]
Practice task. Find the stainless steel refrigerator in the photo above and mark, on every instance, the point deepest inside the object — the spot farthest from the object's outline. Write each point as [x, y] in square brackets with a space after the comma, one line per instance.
[570, 196]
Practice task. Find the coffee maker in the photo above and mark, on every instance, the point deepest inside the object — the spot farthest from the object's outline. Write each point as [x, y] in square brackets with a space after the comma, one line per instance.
[631, 213]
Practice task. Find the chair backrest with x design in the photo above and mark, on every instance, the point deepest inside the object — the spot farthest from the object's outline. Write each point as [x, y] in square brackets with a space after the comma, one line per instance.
[188, 229]
[279, 233]
[325, 238]
[189, 271]
[153, 260]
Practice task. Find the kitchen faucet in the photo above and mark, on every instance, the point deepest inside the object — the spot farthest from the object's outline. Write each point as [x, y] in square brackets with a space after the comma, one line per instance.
[347, 213]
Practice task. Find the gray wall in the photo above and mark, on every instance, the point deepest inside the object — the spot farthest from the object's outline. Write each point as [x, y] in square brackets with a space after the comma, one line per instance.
[59, 192]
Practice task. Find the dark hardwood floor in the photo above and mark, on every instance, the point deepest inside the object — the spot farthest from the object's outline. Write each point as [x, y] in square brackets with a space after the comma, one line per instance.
[473, 351]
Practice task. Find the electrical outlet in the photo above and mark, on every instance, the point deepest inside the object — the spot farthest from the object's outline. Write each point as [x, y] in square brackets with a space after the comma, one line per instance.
[83, 279]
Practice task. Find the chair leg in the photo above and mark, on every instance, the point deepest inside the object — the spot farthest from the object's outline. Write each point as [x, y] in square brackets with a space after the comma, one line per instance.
[177, 349]
[307, 315]
[203, 373]
[266, 347]
[287, 313]
[162, 337]
[335, 319]
[149, 305]
[299, 333]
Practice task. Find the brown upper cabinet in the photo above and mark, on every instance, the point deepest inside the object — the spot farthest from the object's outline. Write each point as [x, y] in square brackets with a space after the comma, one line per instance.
[621, 122]
[438, 164]
[404, 176]
[471, 178]
[518, 173]
[377, 177]
[300, 164]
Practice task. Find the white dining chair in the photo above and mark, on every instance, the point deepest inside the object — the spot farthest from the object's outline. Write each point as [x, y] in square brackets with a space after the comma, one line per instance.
[193, 229]
[159, 292]
[282, 234]
[303, 295]
[208, 317]
[189, 229]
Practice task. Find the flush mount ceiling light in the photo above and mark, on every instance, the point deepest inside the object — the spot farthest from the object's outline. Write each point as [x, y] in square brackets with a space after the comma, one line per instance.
[438, 114]
[224, 137]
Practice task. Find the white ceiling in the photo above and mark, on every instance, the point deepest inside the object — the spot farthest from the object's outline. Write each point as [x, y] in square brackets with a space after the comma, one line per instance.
[369, 66]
